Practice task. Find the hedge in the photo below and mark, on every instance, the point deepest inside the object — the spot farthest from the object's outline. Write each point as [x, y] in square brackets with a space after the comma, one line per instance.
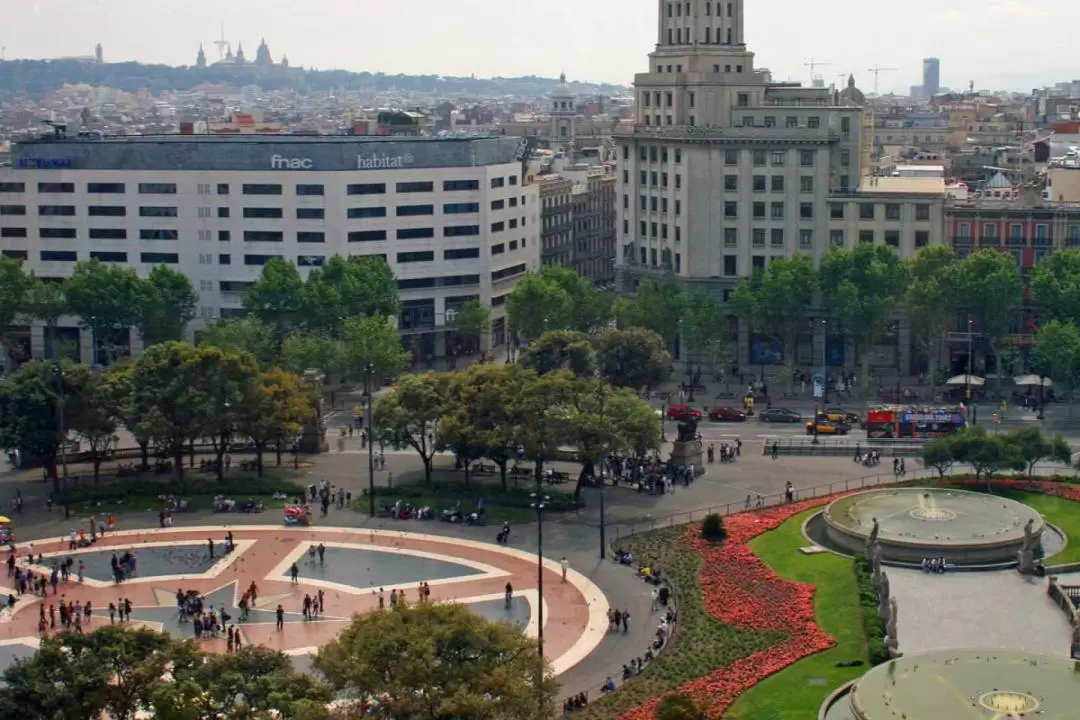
[873, 627]
[468, 495]
[237, 487]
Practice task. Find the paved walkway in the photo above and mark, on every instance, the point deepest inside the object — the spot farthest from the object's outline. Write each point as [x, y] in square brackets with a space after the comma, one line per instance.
[977, 610]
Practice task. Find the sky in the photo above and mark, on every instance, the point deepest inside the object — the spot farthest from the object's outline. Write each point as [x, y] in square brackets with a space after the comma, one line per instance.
[1012, 44]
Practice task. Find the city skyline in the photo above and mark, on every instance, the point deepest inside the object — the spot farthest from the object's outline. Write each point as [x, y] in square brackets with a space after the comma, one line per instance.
[472, 37]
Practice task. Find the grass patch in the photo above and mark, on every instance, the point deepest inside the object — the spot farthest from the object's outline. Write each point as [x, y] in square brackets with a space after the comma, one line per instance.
[700, 645]
[789, 694]
[1062, 513]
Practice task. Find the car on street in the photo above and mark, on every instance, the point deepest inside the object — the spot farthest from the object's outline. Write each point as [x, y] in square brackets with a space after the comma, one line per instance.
[780, 415]
[724, 413]
[682, 412]
[842, 416]
[826, 427]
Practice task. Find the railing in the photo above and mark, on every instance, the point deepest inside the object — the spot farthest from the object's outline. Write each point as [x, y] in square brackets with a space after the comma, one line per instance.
[757, 501]
[833, 447]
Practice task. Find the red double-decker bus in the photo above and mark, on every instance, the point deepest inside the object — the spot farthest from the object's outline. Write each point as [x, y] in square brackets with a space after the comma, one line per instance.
[913, 422]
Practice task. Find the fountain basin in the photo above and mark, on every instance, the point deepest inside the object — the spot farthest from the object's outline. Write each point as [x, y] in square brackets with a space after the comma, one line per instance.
[966, 528]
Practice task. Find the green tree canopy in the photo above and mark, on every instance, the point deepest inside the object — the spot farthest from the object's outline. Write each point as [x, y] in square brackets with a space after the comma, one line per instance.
[167, 305]
[634, 358]
[537, 305]
[447, 663]
[247, 334]
[105, 298]
[561, 350]
[657, 306]
[989, 286]
[46, 303]
[94, 415]
[1055, 284]
[410, 415]
[372, 340]
[860, 288]
[1057, 356]
[345, 288]
[472, 320]
[277, 298]
[274, 408]
[776, 301]
[1034, 447]
[985, 453]
[15, 297]
[930, 300]
[704, 326]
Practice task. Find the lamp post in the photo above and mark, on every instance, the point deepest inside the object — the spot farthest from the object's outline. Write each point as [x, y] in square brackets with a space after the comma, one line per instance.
[58, 378]
[539, 502]
[825, 362]
[967, 378]
[1042, 403]
[368, 385]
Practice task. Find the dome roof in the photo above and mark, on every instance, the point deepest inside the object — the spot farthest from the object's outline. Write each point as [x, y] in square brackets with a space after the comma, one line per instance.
[562, 90]
[851, 95]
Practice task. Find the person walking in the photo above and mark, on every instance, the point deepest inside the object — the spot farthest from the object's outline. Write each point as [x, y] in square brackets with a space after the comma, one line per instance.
[281, 616]
[294, 573]
[565, 566]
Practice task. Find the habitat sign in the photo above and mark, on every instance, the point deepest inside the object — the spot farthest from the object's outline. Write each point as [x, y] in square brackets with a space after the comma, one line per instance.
[384, 162]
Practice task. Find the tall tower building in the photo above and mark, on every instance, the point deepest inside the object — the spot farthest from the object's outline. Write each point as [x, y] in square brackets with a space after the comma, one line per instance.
[563, 114]
[200, 59]
[931, 76]
[724, 169]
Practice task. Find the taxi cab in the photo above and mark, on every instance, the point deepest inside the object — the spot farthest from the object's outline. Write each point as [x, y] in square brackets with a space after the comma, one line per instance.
[823, 426]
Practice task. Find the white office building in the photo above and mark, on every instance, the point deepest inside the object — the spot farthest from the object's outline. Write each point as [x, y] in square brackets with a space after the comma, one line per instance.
[451, 216]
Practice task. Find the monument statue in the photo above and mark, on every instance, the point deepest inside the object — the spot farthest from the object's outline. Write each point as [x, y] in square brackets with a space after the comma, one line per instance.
[687, 448]
[883, 597]
[871, 539]
[688, 430]
[875, 566]
[1026, 556]
[892, 644]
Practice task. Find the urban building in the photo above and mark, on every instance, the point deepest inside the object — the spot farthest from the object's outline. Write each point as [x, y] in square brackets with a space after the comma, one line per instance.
[453, 217]
[724, 169]
[931, 77]
[556, 220]
[594, 226]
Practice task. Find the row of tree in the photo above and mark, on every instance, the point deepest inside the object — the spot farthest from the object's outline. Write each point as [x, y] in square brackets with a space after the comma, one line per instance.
[988, 453]
[493, 411]
[104, 298]
[169, 397]
[446, 661]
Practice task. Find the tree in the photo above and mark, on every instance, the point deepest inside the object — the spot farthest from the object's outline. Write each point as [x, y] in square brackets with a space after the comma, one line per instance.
[703, 325]
[633, 358]
[305, 351]
[167, 306]
[118, 385]
[860, 287]
[447, 663]
[345, 288]
[938, 454]
[1057, 355]
[930, 300]
[775, 302]
[473, 321]
[254, 682]
[277, 298]
[542, 409]
[411, 414]
[989, 287]
[106, 298]
[51, 685]
[94, 416]
[561, 350]
[658, 307]
[248, 334]
[1055, 285]
[373, 341]
[275, 407]
[1033, 447]
[47, 304]
[32, 401]
[538, 305]
[15, 291]
[985, 453]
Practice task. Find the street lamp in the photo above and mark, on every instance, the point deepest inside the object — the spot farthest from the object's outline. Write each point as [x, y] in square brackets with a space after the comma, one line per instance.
[539, 502]
[368, 384]
[967, 378]
[1042, 403]
[825, 362]
[58, 378]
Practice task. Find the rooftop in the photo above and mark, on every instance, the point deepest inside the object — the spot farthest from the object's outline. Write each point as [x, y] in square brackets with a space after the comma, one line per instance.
[254, 138]
[902, 186]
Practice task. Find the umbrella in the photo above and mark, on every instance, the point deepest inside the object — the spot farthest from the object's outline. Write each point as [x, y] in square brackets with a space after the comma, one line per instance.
[975, 381]
[5, 520]
[1033, 380]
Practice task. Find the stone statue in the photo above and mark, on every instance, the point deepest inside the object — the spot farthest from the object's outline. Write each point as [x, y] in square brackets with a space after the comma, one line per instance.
[688, 430]
[891, 642]
[883, 597]
[875, 566]
[871, 539]
[1025, 559]
[1031, 540]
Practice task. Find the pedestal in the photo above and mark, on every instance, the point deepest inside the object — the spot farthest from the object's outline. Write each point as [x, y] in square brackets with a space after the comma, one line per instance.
[1025, 562]
[684, 454]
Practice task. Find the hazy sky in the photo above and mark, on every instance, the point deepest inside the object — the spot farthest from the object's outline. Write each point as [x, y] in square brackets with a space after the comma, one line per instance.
[997, 43]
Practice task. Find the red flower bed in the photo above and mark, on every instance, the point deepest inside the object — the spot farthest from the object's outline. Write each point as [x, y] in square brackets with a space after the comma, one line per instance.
[738, 589]
[1046, 487]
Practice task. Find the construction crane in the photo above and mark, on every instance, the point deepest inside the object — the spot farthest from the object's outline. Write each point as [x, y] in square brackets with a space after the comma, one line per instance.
[814, 64]
[877, 71]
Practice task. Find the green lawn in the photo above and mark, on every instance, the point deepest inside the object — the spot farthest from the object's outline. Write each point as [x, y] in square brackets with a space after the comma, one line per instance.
[797, 692]
[1062, 513]
[200, 503]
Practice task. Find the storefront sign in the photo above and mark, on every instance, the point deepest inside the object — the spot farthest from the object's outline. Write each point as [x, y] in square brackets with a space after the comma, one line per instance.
[45, 163]
[383, 162]
[278, 162]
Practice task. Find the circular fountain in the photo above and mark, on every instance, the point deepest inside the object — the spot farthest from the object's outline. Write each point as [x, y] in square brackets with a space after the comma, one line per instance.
[965, 528]
[991, 684]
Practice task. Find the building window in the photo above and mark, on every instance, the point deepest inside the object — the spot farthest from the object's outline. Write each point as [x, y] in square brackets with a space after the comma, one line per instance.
[806, 184]
[836, 211]
[12, 210]
[759, 158]
[262, 213]
[414, 210]
[18, 254]
[57, 233]
[157, 188]
[759, 182]
[416, 256]
[223, 189]
[461, 254]
[731, 157]
[777, 211]
[12, 187]
[758, 210]
[366, 212]
[366, 189]
[310, 237]
[892, 211]
[731, 209]
[892, 237]
[806, 158]
[224, 259]
[866, 211]
[56, 187]
[367, 235]
[806, 211]
[460, 185]
[498, 226]
[791, 122]
[770, 121]
[836, 238]
[108, 234]
[497, 182]
[758, 237]
[105, 188]
[159, 258]
[415, 233]
[113, 257]
[224, 236]
[776, 237]
[866, 236]
[813, 121]
[743, 99]
[106, 211]
[461, 230]
[731, 237]
[776, 182]
[806, 239]
[460, 208]
[731, 183]
[13, 232]
[310, 213]
[311, 260]
[309, 190]
[922, 238]
[261, 189]
[274, 236]
[147, 234]
[157, 212]
[58, 256]
[922, 212]
[779, 157]
[259, 259]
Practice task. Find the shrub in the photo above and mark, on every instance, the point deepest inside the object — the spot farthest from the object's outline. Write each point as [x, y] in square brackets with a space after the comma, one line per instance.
[712, 528]
[468, 495]
[873, 628]
[678, 707]
[237, 487]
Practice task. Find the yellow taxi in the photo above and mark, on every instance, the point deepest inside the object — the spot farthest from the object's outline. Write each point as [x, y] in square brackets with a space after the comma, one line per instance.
[824, 426]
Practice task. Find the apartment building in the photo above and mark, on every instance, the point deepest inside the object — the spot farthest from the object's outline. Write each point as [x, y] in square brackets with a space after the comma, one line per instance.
[556, 220]
[593, 204]
[453, 217]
